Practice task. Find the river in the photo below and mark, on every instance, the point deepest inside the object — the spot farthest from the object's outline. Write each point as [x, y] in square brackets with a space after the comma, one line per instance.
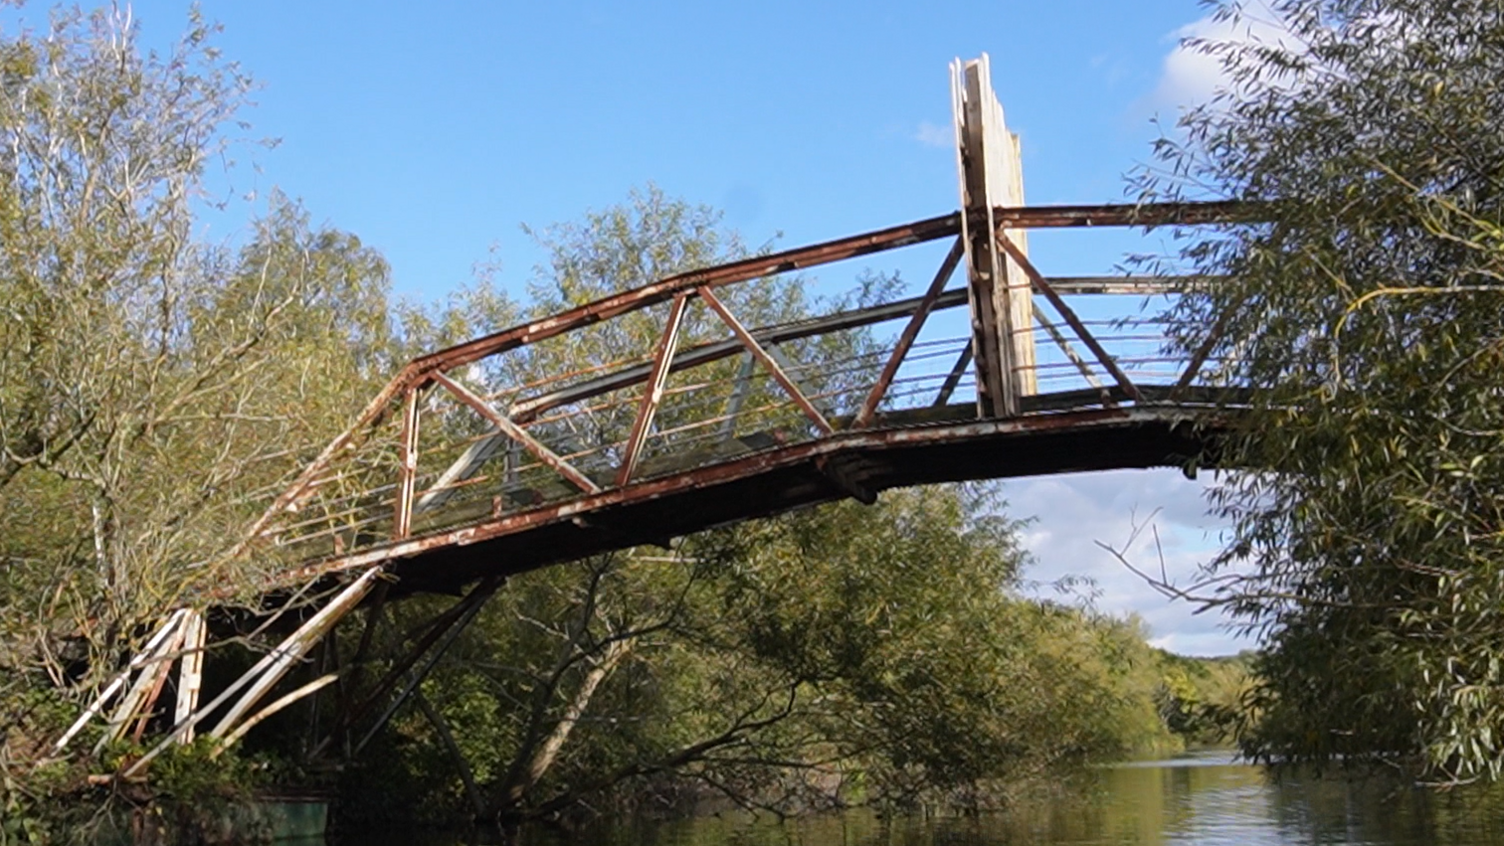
[1203, 798]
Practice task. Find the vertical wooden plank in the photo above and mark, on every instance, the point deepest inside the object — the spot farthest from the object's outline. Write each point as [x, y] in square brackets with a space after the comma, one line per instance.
[408, 471]
[976, 223]
[1020, 293]
[991, 176]
[652, 392]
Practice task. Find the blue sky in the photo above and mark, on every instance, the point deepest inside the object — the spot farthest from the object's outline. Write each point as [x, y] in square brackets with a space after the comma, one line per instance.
[432, 134]
[432, 131]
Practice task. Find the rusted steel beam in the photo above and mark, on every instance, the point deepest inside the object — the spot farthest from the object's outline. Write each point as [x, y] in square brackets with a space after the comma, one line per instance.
[524, 411]
[1133, 285]
[761, 354]
[528, 409]
[304, 485]
[664, 289]
[470, 608]
[1199, 357]
[436, 631]
[948, 387]
[1069, 316]
[407, 470]
[518, 434]
[875, 440]
[1022, 217]
[349, 688]
[1126, 214]
[910, 332]
[653, 394]
[991, 338]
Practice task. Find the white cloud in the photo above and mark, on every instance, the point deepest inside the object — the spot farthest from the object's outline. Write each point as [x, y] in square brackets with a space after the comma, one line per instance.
[934, 135]
[1072, 512]
[1190, 77]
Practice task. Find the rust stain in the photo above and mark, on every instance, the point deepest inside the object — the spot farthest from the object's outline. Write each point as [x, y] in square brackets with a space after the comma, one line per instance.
[750, 466]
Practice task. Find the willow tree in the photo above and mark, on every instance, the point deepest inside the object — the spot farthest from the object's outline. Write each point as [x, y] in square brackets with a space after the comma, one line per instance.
[1367, 542]
[149, 381]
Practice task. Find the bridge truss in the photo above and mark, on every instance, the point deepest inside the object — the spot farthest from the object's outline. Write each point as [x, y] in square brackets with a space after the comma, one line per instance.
[658, 411]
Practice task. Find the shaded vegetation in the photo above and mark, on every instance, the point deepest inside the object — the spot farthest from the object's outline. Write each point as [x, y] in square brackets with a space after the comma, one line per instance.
[840, 656]
[1367, 313]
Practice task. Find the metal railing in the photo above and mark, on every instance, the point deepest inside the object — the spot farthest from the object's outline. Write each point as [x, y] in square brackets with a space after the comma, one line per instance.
[667, 378]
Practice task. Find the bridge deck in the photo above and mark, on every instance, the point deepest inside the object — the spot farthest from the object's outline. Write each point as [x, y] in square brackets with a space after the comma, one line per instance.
[852, 464]
[656, 412]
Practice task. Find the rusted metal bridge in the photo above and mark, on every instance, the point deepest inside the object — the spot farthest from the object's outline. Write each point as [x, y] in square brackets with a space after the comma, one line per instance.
[658, 412]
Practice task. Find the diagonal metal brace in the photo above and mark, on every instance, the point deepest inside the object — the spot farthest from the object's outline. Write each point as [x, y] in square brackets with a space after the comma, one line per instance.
[518, 434]
[909, 334]
[1087, 338]
[767, 360]
[652, 394]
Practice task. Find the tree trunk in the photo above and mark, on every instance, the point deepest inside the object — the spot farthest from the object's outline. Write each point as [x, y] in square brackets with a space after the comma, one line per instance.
[472, 792]
[546, 752]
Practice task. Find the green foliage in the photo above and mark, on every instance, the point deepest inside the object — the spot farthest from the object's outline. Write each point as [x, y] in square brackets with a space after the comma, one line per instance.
[148, 381]
[202, 776]
[839, 655]
[1367, 314]
[154, 388]
[1201, 699]
[835, 655]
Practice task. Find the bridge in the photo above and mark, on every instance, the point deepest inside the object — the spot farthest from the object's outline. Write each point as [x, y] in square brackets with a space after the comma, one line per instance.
[664, 410]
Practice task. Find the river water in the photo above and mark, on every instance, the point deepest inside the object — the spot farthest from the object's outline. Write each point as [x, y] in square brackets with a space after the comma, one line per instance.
[1204, 798]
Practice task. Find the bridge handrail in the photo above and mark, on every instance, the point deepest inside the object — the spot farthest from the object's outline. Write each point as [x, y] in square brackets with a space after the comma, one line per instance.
[361, 506]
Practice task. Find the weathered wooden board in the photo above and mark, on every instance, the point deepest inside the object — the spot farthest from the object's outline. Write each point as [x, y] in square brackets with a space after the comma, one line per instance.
[991, 176]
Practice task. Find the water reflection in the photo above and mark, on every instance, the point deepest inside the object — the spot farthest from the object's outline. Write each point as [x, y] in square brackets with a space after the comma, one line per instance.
[1200, 799]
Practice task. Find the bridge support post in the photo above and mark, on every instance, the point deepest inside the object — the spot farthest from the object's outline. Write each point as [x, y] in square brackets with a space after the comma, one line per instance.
[1002, 310]
[407, 672]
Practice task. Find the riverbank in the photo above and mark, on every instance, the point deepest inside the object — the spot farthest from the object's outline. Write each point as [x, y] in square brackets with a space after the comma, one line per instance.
[1204, 798]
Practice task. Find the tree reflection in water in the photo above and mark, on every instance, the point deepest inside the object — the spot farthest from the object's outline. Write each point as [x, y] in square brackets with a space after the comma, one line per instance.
[1204, 799]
